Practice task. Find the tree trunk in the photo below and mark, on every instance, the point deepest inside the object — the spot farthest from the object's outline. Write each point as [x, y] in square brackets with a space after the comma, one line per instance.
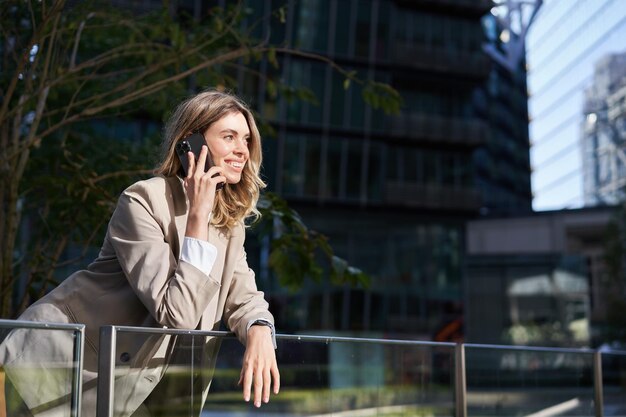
[10, 224]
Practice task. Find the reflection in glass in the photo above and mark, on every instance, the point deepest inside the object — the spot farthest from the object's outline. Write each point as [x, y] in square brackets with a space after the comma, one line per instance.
[293, 166]
[35, 378]
[333, 169]
[354, 163]
[320, 377]
[502, 382]
[169, 375]
[614, 382]
[313, 159]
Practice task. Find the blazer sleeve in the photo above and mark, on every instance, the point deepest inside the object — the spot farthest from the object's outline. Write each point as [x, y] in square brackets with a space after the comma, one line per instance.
[244, 301]
[174, 292]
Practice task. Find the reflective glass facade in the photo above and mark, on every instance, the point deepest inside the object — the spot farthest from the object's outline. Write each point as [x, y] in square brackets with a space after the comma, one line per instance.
[564, 44]
[531, 299]
[604, 133]
[392, 192]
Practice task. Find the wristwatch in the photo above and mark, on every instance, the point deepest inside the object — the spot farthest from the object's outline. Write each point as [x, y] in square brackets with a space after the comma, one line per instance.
[263, 322]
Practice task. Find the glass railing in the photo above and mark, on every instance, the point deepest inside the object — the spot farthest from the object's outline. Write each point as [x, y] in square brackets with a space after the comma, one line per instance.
[35, 378]
[523, 381]
[319, 375]
[164, 372]
[614, 383]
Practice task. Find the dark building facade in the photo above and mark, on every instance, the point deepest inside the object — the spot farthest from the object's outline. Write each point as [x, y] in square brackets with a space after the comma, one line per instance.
[392, 192]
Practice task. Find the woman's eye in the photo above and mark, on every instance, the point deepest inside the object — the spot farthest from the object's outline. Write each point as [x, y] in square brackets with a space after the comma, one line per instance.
[229, 137]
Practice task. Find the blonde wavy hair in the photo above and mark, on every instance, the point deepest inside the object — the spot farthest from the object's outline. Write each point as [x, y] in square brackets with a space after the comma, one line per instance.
[235, 202]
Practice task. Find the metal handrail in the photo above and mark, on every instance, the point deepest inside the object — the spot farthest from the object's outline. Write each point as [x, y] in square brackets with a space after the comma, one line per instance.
[279, 336]
[108, 339]
[77, 353]
[24, 324]
[531, 348]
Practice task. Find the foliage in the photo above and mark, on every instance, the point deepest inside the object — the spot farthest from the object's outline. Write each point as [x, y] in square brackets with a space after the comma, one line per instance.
[295, 248]
[69, 66]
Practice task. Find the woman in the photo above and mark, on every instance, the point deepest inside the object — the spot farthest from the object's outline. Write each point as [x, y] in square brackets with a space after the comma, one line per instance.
[173, 256]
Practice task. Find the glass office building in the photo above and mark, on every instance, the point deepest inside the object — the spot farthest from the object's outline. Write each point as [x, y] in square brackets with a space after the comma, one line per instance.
[566, 41]
[393, 193]
[604, 133]
[503, 163]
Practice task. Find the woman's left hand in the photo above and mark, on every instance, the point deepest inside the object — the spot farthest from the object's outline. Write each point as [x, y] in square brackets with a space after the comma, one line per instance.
[259, 366]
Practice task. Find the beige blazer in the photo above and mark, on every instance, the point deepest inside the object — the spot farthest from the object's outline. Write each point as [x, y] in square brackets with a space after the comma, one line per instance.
[136, 280]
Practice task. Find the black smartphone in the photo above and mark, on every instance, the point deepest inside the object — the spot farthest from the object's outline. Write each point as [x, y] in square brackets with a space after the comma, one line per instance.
[194, 144]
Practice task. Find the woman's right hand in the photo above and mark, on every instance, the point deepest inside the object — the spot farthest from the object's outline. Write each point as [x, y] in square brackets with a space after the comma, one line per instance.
[201, 189]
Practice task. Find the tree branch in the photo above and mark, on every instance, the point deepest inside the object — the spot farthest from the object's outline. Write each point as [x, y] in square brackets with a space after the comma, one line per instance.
[149, 89]
[116, 174]
[77, 40]
[19, 71]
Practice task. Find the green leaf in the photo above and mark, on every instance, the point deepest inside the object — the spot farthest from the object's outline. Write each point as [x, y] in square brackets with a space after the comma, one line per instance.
[282, 15]
[271, 57]
[271, 89]
[219, 25]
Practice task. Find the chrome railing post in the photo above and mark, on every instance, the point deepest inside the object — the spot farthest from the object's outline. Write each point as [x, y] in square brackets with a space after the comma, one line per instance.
[460, 383]
[77, 379]
[106, 371]
[598, 384]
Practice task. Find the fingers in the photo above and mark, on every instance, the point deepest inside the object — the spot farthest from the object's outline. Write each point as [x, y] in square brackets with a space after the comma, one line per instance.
[257, 381]
[199, 183]
[276, 378]
[199, 170]
[258, 387]
[247, 383]
[267, 383]
[217, 178]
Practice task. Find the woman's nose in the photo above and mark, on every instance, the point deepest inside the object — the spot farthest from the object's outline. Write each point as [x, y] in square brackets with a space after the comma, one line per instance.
[242, 147]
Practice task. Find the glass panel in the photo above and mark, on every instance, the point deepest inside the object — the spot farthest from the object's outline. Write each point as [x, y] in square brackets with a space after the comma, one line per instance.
[297, 76]
[312, 28]
[409, 158]
[312, 166]
[39, 370]
[162, 375]
[382, 35]
[363, 28]
[507, 382]
[432, 167]
[167, 375]
[375, 172]
[317, 78]
[333, 168]
[292, 165]
[338, 100]
[319, 377]
[395, 168]
[614, 381]
[357, 114]
[353, 171]
[190, 375]
[342, 28]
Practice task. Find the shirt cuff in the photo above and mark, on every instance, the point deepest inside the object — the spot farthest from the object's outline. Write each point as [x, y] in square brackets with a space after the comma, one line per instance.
[199, 253]
[267, 323]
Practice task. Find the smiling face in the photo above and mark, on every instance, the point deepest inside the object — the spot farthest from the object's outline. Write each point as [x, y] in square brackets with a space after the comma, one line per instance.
[228, 140]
